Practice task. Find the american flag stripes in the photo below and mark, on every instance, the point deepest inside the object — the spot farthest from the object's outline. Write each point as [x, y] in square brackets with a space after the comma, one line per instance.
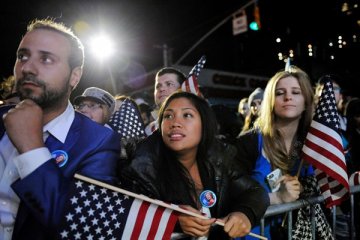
[355, 179]
[191, 83]
[323, 149]
[127, 120]
[96, 212]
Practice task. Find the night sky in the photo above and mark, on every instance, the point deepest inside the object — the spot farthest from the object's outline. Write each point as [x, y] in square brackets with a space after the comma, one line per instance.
[140, 28]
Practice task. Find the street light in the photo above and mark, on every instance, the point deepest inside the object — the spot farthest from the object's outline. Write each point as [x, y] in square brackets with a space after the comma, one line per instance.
[102, 47]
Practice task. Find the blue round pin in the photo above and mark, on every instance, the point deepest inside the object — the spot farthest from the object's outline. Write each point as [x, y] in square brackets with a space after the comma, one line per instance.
[60, 156]
[208, 198]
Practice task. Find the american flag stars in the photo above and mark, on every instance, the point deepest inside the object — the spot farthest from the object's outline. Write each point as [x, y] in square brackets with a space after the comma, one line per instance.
[196, 69]
[103, 211]
[94, 213]
[191, 83]
[127, 121]
[324, 150]
[327, 110]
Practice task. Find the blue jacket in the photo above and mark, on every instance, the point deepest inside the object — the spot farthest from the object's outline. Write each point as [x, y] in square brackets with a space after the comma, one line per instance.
[93, 151]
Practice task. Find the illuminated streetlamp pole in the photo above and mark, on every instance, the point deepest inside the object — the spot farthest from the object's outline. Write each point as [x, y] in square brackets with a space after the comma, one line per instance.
[166, 51]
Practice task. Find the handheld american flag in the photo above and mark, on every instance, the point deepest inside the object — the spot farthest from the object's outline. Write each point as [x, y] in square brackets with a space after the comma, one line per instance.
[355, 179]
[191, 83]
[100, 211]
[324, 150]
[127, 120]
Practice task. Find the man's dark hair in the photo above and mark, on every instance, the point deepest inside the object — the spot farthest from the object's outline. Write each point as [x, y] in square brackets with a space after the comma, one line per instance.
[181, 77]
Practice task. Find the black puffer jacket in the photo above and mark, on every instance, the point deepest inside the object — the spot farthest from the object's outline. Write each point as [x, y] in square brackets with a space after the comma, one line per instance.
[235, 191]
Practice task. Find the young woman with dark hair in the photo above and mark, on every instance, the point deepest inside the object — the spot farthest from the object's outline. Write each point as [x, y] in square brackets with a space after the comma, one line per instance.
[183, 159]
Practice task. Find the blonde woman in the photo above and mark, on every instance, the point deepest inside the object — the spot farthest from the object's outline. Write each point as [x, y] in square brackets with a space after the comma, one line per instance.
[273, 148]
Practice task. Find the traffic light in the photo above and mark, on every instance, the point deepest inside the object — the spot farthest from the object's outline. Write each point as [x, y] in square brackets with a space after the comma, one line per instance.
[256, 25]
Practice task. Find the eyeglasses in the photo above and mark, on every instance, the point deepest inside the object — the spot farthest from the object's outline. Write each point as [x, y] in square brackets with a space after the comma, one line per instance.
[91, 106]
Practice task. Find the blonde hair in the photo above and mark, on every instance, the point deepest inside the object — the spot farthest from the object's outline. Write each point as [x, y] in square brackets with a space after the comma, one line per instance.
[274, 145]
[7, 87]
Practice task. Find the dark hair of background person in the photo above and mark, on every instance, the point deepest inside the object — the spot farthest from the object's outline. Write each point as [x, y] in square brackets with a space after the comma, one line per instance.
[145, 108]
[229, 122]
[352, 133]
[352, 111]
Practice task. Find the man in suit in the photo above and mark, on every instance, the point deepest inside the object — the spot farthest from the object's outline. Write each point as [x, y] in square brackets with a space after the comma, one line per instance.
[44, 142]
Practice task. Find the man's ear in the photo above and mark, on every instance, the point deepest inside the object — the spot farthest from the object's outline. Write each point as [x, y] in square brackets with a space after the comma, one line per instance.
[75, 77]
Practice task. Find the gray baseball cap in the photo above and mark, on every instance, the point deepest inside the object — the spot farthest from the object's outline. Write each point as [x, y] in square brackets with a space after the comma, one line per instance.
[258, 93]
[99, 95]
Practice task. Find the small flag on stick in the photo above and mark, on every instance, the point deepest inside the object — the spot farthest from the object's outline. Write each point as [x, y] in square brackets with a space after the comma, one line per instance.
[127, 121]
[100, 211]
[324, 150]
[191, 83]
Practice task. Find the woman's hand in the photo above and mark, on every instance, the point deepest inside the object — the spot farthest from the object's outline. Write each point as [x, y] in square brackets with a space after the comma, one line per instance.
[195, 226]
[237, 224]
[290, 189]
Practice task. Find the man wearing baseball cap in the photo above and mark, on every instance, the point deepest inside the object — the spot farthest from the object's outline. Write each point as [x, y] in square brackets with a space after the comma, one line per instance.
[95, 103]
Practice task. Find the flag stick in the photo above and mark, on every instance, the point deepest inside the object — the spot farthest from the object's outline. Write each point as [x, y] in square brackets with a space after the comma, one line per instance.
[300, 167]
[154, 201]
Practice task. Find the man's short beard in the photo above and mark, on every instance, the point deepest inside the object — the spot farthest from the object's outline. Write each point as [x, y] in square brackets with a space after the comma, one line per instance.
[48, 98]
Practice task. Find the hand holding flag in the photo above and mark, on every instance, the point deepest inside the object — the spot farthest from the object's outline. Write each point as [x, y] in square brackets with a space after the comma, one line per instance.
[323, 149]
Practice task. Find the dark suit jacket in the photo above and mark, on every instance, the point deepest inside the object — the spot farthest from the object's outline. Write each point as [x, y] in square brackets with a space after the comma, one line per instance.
[93, 151]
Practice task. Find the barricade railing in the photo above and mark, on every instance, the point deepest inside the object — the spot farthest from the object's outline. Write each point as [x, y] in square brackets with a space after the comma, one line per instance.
[289, 207]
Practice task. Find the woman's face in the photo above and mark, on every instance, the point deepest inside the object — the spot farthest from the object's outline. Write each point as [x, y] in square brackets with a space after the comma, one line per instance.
[93, 110]
[255, 107]
[208, 196]
[181, 126]
[289, 100]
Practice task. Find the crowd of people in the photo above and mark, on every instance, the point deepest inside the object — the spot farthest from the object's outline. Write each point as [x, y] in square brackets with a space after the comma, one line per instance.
[45, 139]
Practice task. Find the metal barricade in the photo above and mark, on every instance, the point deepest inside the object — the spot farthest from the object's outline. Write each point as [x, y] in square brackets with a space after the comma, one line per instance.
[289, 207]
